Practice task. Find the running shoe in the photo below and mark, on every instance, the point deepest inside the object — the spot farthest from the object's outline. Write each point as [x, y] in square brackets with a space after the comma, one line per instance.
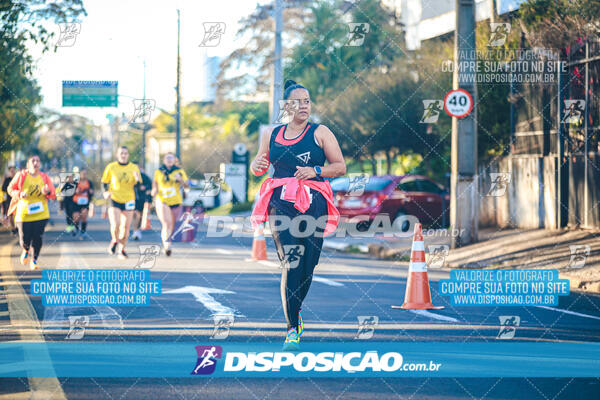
[112, 248]
[300, 324]
[292, 341]
[33, 265]
[168, 252]
[70, 228]
[122, 255]
[23, 257]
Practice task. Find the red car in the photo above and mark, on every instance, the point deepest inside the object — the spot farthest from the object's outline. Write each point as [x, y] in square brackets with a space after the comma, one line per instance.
[394, 196]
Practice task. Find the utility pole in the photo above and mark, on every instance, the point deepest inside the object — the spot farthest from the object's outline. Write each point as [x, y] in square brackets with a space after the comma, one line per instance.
[464, 200]
[178, 89]
[277, 84]
[145, 127]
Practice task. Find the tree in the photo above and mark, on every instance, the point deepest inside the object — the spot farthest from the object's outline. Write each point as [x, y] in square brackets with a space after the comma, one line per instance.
[23, 21]
[256, 54]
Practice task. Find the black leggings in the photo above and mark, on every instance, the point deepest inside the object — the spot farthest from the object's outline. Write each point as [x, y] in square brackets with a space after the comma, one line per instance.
[70, 207]
[298, 255]
[30, 235]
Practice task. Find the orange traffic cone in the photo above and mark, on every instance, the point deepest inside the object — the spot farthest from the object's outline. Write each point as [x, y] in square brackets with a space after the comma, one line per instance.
[418, 295]
[259, 245]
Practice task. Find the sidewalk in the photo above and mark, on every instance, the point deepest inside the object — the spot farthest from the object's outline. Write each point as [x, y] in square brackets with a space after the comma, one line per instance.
[574, 252]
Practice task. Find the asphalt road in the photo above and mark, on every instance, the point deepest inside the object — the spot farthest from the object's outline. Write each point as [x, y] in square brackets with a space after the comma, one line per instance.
[346, 287]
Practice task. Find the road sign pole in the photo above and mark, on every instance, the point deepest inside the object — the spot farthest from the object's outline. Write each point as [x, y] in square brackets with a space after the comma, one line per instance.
[143, 149]
[464, 194]
[178, 88]
[276, 85]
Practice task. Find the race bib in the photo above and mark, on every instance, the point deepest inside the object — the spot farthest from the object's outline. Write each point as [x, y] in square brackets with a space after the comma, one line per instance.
[34, 208]
[82, 201]
[130, 205]
[305, 188]
[168, 192]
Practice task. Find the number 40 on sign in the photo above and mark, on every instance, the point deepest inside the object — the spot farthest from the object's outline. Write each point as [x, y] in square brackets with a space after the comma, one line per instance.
[458, 103]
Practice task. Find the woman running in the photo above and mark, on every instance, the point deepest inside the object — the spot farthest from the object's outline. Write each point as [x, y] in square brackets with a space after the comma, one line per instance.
[81, 200]
[166, 189]
[119, 179]
[30, 190]
[298, 152]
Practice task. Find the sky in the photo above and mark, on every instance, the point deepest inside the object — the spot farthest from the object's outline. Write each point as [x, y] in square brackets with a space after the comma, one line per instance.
[118, 35]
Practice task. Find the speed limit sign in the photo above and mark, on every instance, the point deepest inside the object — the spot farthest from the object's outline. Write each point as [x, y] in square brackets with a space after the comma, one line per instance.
[458, 103]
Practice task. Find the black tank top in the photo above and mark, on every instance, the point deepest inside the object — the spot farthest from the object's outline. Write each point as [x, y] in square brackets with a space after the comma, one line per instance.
[286, 154]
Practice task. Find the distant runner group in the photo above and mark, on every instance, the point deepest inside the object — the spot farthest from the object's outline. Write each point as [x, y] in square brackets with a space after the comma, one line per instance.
[125, 188]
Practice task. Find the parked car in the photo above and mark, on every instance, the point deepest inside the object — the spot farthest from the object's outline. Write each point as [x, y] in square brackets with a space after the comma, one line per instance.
[206, 194]
[394, 196]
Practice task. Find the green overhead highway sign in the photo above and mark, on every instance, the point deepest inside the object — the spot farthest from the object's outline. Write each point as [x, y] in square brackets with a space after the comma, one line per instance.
[90, 93]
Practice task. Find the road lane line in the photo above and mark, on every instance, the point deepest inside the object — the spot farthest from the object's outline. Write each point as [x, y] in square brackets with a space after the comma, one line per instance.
[570, 312]
[21, 311]
[428, 314]
[268, 263]
[223, 251]
[202, 295]
[326, 281]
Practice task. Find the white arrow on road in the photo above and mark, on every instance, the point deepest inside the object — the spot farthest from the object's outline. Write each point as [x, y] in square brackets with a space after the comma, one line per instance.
[202, 294]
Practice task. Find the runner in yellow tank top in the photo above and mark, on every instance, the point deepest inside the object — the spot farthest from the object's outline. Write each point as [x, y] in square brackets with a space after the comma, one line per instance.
[30, 190]
[166, 188]
[119, 179]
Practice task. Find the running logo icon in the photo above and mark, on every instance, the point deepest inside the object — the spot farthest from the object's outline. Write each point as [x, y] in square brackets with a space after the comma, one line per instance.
[148, 255]
[508, 326]
[357, 34]
[293, 255]
[366, 326]
[212, 184]
[207, 359]
[64, 178]
[579, 253]
[68, 34]
[499, 34]
[223, 323]
[142, 110]
[574, 111]
[212, 34]
[433, 108]
[287, 110]
[77, 325]
[357, 182]
[437, 255]
[500, 181]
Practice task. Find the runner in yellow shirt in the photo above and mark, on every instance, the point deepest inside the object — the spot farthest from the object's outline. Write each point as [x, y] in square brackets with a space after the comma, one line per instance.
[30, 190]
[166, 189]
[119, 179]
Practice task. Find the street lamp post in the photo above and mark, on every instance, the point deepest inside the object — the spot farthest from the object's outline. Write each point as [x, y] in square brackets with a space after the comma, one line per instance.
[178, 88]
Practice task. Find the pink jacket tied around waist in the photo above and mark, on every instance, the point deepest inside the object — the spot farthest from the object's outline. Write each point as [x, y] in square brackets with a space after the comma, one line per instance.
[296, 193]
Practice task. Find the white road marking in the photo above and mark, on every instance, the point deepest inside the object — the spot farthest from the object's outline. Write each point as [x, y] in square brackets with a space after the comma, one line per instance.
[570, 312]
[223, 251]
[428, 314]
[327, 281]
[202, 295]
[268, 263]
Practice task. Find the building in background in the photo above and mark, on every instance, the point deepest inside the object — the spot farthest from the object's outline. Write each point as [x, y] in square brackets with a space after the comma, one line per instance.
[427, 19]
[208, 82]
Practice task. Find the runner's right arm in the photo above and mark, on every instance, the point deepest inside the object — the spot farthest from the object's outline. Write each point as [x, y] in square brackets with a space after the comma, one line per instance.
[261, 162]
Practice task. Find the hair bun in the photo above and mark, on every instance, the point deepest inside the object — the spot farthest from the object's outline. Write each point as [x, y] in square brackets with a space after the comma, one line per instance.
[288, 83]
